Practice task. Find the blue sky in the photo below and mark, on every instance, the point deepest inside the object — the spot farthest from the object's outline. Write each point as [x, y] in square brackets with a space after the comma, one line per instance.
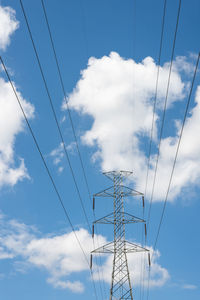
[108, 53]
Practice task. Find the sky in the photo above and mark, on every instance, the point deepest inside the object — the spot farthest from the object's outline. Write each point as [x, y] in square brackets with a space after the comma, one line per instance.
[108, 53]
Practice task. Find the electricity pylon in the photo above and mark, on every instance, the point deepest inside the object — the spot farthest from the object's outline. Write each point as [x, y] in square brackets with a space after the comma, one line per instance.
[121, 283]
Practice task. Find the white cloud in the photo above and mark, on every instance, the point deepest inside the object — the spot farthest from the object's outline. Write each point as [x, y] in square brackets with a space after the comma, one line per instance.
[12, 168]
[4, 254]
[11, 124]
[61, 256]
[187, 170]
[8, 25]
[189, 287]
[58, 154]
[118, 94]
[75, 286]
[60, 169]
[182, 63]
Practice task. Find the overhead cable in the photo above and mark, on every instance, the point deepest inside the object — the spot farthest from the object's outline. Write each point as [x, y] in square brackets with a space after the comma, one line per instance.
[68, 109]
[177, 150]
[47, 169]
[164, 110]
[55, 116]
[65, 97]
[152, 127]
[156, 93]
[176, 154]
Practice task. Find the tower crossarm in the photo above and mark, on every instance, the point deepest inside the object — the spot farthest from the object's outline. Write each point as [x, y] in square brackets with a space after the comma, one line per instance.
[128, 247]
[125, 192]
[125, 219]
[113, 174]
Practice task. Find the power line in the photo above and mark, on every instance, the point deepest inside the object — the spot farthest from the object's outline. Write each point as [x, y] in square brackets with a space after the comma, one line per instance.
[176, 154]
[55, 116]
[100, 274]
[164, 111]
[68, 109]
[177, 149]
[70, 117]
[47, 169]
[152, 126]
[142, 258]
[156, 93]
[65, 97]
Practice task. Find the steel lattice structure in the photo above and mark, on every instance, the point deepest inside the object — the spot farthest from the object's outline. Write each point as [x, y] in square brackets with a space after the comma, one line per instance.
[120, 284]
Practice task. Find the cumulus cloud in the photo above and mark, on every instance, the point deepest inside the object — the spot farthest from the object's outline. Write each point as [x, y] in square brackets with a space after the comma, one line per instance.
[187, 170]
[8, 25]
[61, 256]
[12, 168]
[118, 94]
[11, 124]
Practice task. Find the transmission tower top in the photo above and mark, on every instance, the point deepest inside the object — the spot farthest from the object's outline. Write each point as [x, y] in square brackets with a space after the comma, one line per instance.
[112, 174]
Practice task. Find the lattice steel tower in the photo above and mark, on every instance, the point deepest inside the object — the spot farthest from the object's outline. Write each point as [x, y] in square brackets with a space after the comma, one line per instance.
[120, 283]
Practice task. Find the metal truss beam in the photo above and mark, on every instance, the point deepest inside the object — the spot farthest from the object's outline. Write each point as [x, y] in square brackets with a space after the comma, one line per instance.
[120, 284]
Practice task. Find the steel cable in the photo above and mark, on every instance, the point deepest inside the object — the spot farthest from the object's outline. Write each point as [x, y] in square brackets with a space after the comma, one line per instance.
[48, 171]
